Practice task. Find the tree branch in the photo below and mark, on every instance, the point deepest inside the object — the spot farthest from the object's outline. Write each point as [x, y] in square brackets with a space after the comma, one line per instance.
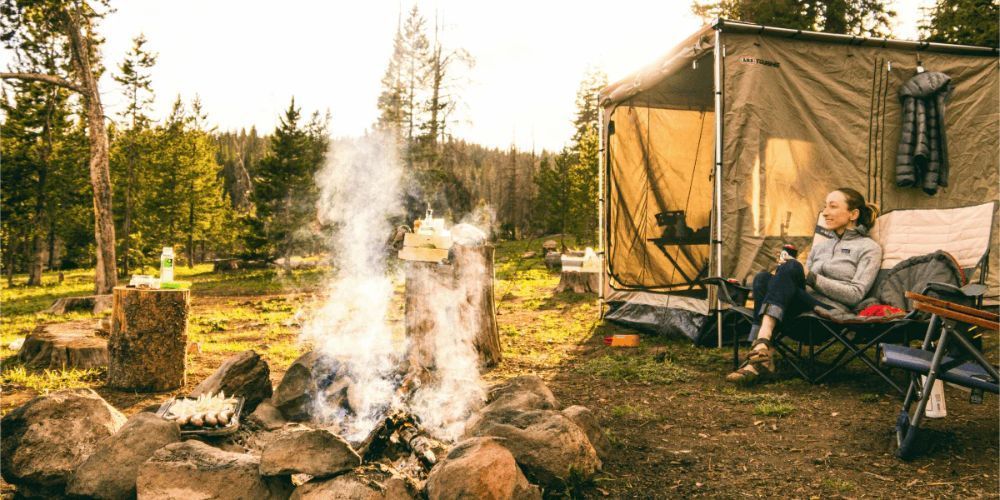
[38, 77]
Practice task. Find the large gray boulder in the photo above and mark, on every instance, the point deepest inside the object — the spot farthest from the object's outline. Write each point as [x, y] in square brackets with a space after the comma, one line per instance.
[192, 470]
[587, 421]
[547, 445]
[244, 374]
[47, 438]
[372, 485]
[512, 397]
[302, 450]
[479, 468]
[110, 472]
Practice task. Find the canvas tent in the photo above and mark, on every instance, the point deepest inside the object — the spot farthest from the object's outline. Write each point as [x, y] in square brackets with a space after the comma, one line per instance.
[802, 113]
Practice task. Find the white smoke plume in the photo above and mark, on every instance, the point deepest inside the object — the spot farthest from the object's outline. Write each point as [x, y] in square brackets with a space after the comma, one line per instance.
[454, 313]
[359, 192]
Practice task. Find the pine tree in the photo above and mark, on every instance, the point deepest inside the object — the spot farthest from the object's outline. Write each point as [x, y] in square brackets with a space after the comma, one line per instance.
[73, 25]
[284, 190]
[136, 85]
[966, 22]
[853, 17]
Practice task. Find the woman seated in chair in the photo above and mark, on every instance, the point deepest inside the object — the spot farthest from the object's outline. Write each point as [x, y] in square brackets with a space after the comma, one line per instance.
[838, 274]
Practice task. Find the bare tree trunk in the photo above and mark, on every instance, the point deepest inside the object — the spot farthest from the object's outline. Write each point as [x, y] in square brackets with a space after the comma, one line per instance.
[105, 277]
[40, 220]
[127, 224]
[52, 244]
[190, 244]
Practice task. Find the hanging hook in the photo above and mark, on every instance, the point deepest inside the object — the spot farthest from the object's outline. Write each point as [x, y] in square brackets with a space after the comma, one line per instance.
[920, 64]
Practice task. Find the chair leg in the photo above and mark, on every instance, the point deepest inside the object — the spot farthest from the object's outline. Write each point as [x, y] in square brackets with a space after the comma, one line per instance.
[906, 435]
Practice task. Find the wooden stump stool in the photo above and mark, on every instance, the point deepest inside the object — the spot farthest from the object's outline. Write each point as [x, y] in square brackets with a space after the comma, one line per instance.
[62, 346]
[148, 339]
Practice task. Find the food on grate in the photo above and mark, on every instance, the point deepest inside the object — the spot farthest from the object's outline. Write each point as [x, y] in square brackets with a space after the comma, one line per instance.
[204, 411]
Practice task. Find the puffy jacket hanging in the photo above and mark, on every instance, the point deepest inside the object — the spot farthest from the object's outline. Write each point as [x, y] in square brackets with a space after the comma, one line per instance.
[922, 158]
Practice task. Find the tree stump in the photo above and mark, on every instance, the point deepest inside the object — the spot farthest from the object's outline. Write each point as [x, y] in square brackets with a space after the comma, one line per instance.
[579, 282]
[148, 339]
[574, 276]
[64, 346]
[461, 294]
[553, 261]
[93, 303]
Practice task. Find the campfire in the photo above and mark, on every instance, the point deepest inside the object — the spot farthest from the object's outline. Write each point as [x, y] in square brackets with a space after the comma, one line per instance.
[375, 409]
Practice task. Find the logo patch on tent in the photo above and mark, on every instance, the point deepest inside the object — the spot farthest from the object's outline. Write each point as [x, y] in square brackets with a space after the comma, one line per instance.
[757, 60]
[845, 250]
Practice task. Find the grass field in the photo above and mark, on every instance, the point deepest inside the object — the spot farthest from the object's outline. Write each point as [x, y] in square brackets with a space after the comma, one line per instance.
[678, 429]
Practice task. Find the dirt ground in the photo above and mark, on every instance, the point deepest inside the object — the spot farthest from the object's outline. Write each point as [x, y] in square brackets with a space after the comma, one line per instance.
[678, 429]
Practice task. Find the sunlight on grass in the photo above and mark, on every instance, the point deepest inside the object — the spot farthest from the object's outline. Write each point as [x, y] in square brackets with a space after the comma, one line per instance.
[634, 368]
[19, 378]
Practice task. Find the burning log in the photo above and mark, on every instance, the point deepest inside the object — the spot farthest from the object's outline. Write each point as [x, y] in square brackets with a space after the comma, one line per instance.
[402, 429]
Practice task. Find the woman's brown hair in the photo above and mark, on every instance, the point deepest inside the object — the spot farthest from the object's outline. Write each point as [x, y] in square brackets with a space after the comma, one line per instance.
[868, 211]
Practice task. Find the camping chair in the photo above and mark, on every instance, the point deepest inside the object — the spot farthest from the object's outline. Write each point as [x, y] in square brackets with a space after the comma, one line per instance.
[961, 233]
[966, 367]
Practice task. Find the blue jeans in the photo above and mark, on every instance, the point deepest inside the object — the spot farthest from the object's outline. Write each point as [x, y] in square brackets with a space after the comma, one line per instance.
[781, 294]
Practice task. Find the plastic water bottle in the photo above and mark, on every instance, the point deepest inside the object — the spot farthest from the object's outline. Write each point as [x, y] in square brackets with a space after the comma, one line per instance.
[167, 264]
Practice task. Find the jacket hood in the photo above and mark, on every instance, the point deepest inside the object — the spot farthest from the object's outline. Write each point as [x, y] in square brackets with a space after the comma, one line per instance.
[926, 84]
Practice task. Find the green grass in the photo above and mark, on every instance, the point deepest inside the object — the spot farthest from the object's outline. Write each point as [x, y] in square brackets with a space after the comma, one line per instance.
[870, 398]
[17, 377]
[836, 485]
[633, 412]
[638, 367]
[773, 409]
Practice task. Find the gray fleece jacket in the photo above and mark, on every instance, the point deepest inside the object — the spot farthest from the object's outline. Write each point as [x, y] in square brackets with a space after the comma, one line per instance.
[842, 269]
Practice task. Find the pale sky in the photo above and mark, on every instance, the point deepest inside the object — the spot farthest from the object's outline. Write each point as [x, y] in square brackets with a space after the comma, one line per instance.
[246, 59]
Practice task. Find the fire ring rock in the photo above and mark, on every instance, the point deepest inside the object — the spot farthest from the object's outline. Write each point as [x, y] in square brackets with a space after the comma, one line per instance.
[513, 397]
[547, 445]
[111, 471]
[479, 468]
[192, 469]
[244, 374]
[303, 382]
[45, 439]
[302, 450]
[372, 485]
[585, 419]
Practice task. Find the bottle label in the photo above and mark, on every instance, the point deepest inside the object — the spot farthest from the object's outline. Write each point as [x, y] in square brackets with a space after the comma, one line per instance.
[168, 262]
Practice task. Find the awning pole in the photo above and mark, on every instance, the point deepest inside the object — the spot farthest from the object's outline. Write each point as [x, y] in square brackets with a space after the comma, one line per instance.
[601, 150]
[719, 53]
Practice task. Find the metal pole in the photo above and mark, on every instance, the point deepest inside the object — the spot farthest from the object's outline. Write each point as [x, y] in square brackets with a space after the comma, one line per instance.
[719, 53]
[601, 148]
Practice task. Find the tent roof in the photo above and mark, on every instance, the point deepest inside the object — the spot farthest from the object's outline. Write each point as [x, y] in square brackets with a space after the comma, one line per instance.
[664, 83]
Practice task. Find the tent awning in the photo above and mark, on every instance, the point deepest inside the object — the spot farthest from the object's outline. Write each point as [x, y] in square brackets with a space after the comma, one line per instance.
[677, 79]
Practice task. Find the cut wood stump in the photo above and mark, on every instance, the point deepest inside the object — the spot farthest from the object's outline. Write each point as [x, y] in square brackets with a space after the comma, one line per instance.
[96, 304]
[64, 346]
[553, 260]
[579, 282]
[223, 265]
[148, 339]
[466, 286]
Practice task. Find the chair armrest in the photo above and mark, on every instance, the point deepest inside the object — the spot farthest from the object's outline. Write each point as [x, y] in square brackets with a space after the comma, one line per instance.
[730, 291]
[971, 290]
